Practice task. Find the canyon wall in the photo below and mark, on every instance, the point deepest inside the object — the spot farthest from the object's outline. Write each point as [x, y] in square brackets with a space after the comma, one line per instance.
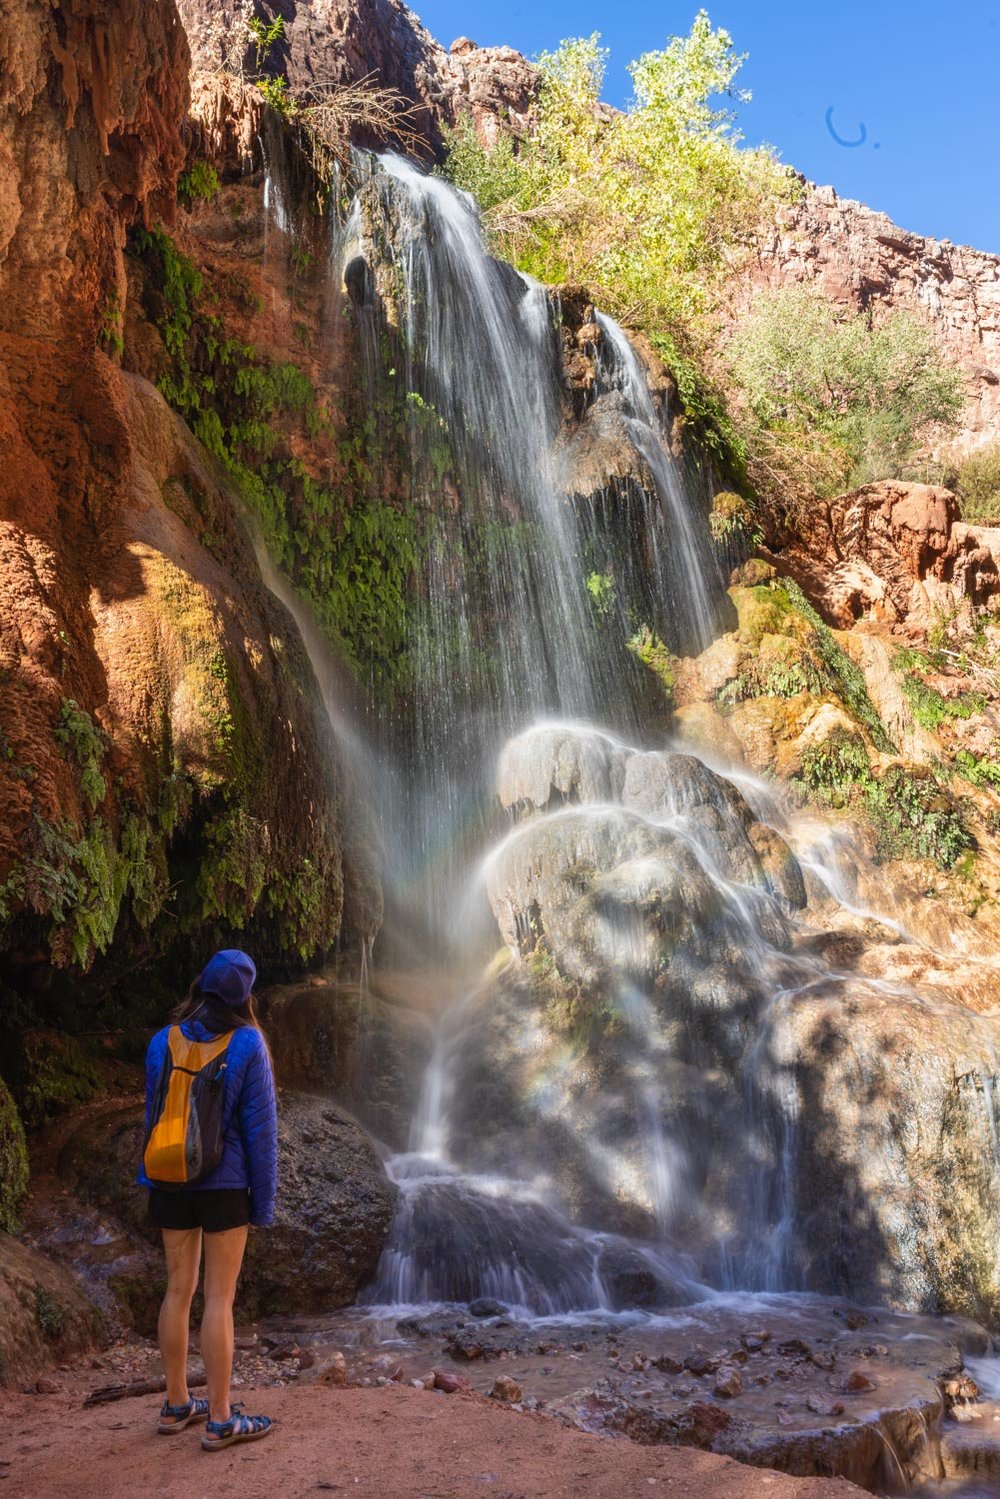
[163, 780]
[861, 259]
[341, 41]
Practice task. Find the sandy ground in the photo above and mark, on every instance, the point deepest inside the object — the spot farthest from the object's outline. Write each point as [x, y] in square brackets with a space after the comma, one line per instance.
[388, 1443]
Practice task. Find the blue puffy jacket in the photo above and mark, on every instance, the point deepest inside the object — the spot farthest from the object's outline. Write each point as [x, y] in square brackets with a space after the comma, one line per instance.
[249, 1116]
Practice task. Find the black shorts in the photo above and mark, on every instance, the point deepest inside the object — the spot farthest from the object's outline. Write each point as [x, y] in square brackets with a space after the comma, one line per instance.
[214, 1210]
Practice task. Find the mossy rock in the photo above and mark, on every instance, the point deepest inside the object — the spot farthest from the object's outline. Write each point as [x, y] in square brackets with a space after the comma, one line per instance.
[731, 516]
[44, 1316]
[51, 1073]
[764, 610]
[13, 1162]
[752, 573]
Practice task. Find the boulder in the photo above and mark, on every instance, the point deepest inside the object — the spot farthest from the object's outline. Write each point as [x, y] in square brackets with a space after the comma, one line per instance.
[334, 1210]
[546, 767]
[44, 1316]
[357, 1042]
[334, 1205]
[632, 867]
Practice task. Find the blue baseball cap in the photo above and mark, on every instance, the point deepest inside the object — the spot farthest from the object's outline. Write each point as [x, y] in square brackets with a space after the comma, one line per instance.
[230, 974]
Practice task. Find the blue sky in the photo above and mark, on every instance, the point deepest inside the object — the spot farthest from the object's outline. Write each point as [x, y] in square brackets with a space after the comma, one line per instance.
[922, 80]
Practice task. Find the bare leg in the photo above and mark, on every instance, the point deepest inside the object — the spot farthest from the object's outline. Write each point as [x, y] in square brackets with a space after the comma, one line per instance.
[223, 1258]
[182, 1247]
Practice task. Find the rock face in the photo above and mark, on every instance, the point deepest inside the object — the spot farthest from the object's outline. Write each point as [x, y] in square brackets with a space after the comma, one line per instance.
[691, 1050]
[860, 258]
[650, 911]
[895, 1183]
[343, 41]
[332, 1217]
[43, 1313]
[145, 694]
[893, 554]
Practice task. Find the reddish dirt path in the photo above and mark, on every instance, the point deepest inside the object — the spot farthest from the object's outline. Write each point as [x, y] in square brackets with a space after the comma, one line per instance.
[376, 1444]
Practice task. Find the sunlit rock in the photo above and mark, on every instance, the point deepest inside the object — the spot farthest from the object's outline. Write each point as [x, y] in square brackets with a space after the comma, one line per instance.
[558, 764]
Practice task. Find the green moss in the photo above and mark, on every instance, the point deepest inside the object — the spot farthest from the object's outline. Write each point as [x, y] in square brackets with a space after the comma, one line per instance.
[978, 771]
[817, 666]
[732, 519]
[13, 1162]
[851, 687]
[353, 558]
[652, 652]
[77, 733]
[111, 336]
[52, 1074]
[80, 880]
[930, 708]
[909, 807]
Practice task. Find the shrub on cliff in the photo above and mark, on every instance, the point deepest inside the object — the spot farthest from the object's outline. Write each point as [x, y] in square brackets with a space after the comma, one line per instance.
[977, 482]
[830, 400]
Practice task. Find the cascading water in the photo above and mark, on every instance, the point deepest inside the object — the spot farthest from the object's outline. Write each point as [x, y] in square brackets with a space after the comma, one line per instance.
[505, 628]
[531, 582]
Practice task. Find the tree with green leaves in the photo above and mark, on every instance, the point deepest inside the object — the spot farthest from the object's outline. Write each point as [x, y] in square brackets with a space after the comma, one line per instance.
[648, 206]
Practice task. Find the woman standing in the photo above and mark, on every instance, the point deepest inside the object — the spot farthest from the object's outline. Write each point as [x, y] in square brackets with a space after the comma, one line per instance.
[211, 1166]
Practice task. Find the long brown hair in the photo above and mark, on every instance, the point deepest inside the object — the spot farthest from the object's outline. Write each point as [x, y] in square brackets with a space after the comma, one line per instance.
[216, 1014]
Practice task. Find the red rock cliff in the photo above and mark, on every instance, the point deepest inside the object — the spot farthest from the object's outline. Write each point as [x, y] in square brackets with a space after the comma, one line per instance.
[160, 760]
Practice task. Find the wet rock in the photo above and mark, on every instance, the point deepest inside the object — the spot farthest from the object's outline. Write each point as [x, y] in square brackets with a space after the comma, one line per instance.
[560, 765]
[486, 1306]
[700, 1361]
[823, 1407]
[960, 1387]
[506, 1388]
[465, 1345]
[728, 1381]
[823, 1358]
[630, 1280]
[450, 1383]
[857, 1383]
[794, 1348]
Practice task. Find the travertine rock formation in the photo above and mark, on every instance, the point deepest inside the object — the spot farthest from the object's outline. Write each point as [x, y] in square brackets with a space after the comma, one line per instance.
[156, 734]
[894, 554]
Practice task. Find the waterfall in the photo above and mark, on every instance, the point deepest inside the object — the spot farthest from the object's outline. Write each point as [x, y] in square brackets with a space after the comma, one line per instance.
[510, 624]
[552, 528]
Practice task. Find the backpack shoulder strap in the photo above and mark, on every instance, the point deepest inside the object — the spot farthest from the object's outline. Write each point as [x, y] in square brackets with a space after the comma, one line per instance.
[192, 1056]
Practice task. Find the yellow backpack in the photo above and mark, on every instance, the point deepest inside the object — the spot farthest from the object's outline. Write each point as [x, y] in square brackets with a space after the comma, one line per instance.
[184, 1140]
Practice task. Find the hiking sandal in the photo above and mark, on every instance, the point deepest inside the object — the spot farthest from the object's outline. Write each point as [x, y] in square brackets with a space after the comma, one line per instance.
[182, 1415]
[239, 1428]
